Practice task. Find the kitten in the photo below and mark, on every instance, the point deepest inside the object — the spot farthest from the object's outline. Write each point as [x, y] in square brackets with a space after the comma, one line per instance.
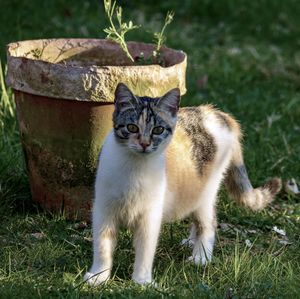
[154, 171]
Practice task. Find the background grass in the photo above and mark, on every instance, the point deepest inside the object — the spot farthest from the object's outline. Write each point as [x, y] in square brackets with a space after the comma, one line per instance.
[244, 57]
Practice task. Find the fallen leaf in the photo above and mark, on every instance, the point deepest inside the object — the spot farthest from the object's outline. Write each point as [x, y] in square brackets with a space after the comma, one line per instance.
[285, 242]
[38, 236]
[279, 231]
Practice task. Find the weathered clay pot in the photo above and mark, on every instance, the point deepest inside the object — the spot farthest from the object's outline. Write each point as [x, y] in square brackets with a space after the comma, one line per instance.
[64, 92]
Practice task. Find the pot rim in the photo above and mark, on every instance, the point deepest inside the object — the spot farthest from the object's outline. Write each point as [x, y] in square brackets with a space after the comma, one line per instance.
[11, 46]
[90, 81]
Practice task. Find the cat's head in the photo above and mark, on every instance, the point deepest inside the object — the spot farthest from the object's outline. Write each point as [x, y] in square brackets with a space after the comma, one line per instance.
[144, 125]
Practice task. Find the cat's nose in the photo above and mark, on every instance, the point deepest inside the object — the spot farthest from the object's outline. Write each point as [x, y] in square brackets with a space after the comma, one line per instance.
[144, 145]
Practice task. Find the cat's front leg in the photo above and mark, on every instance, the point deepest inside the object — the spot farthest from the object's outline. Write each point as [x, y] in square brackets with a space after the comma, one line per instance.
[104, 241]
[146, 233]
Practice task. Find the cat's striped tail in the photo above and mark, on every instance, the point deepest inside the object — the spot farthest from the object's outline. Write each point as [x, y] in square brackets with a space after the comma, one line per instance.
[240, 188]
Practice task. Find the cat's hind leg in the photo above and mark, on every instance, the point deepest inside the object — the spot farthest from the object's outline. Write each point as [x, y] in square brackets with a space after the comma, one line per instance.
[190, 241]
[203, 232]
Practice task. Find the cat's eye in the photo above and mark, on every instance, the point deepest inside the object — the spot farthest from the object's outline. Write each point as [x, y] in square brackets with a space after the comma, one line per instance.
[158, 130]
[132, 128]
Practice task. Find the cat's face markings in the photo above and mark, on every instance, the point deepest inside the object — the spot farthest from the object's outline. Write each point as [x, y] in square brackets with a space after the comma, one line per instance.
[144, 124]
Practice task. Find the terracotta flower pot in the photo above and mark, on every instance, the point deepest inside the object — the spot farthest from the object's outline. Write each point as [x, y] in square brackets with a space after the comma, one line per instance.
[64, 92]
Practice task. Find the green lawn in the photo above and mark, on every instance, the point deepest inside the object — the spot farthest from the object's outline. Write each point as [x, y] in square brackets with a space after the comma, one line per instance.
[244, 57]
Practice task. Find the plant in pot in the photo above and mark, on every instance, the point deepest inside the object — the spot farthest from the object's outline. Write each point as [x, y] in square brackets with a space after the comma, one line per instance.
[117, 34]
[64, 93]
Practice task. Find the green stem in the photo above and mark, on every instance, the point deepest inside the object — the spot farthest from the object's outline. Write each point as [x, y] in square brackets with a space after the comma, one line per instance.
[120, 37]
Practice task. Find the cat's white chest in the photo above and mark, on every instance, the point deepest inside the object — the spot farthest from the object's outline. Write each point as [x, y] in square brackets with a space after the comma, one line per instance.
[128, 184]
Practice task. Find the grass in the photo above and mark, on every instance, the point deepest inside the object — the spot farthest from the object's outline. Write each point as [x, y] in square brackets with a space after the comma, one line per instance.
[243, 57]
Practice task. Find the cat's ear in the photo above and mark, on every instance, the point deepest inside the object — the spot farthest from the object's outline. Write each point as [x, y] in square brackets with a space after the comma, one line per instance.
[170, 101]
[123, 96]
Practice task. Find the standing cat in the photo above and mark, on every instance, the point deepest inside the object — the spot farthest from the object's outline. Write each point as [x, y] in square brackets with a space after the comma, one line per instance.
[151, 172]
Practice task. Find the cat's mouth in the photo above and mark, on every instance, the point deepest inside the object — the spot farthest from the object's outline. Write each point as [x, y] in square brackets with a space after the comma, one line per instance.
[145, 151]
[141, 151]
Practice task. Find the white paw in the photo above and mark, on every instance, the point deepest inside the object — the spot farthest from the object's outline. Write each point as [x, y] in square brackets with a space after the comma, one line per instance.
[142, 280]
[188, 242]
[145, 282]
[199, 260]
[96, 278]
